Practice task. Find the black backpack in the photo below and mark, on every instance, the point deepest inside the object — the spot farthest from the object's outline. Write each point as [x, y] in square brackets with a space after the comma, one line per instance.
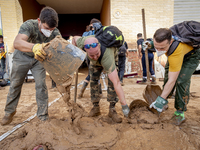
[109, 36]
[186, 32]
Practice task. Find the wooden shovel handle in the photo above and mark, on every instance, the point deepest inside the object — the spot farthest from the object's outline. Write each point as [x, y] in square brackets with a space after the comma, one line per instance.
[146, 51]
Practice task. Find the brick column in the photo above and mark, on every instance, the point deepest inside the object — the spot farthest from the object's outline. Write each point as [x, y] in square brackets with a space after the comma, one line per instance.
[11, 16]
[136, 66]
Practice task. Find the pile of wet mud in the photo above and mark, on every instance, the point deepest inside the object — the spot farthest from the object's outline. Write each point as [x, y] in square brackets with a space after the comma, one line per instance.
[59, 134]
[76, 130]
[99, 133]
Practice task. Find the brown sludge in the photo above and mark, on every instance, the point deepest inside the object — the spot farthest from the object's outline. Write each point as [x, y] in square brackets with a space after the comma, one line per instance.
[139, 113]
[76, 112]
[145, 131]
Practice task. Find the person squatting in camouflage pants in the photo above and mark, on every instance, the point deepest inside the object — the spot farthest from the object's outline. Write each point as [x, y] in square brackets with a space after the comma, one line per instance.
[95, 72]
[107, 63]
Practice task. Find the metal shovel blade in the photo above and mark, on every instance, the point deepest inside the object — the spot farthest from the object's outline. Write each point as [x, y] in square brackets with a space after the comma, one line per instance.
[150, 93]
[137, 104]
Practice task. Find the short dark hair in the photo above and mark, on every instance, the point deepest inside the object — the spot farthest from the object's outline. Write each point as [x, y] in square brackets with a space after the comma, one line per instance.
[1, 36]
[139, 35]
[49, 16]
[94, 20]
[163, 34]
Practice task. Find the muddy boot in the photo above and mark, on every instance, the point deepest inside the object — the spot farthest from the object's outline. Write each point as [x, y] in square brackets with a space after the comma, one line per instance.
[113, 114]
[95, 111]
[100, 90]
[80, 95]
[178, 118]
[7, 119]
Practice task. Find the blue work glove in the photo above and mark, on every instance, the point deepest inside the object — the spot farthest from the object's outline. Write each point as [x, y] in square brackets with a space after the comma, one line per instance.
[125, 110]
[159, 103]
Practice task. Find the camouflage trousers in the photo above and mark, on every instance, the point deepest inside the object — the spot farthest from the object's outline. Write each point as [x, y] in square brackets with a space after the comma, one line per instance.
[21, 65]
[182, 84]
[95, 72]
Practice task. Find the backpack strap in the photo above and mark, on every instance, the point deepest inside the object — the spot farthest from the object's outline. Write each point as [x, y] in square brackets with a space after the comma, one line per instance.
[172, 47]
[103, 49]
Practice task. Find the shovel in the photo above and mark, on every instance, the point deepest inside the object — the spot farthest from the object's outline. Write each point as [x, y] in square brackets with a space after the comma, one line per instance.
[151, 92]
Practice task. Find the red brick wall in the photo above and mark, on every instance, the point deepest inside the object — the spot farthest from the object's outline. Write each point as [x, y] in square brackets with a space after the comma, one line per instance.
[136, 64]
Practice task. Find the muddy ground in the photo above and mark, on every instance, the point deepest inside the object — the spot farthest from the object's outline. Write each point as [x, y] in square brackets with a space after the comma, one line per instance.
[145, 132]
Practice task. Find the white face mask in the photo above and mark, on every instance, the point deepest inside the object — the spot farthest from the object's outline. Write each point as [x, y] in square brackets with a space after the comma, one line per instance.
[159, 53]
[46, 32]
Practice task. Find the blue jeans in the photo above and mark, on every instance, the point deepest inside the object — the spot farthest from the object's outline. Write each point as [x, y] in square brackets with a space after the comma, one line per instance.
[150, 57]
[121, 66]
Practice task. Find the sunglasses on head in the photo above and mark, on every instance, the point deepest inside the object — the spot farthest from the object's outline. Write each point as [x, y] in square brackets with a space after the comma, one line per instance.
[93, 45]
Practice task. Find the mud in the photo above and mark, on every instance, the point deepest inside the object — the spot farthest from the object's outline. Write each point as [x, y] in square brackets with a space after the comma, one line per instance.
[62, 60]
[59, 134]
[62, 73]
[140, 113]
[145, 131]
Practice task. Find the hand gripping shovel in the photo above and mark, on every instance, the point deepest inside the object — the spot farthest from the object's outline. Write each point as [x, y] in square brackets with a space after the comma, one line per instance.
[151, 92]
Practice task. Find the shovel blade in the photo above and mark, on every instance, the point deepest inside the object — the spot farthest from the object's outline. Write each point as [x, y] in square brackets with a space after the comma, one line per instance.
[150, 93]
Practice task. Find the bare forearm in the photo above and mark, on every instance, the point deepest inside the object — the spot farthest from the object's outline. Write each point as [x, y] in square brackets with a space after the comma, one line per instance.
[75, 39]
[172, 77]
[23, 46]
[120, 93]
[117, 86]
[167, 89]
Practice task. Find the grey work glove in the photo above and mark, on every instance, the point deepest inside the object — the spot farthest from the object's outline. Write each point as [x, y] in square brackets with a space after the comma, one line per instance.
[125, 110]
